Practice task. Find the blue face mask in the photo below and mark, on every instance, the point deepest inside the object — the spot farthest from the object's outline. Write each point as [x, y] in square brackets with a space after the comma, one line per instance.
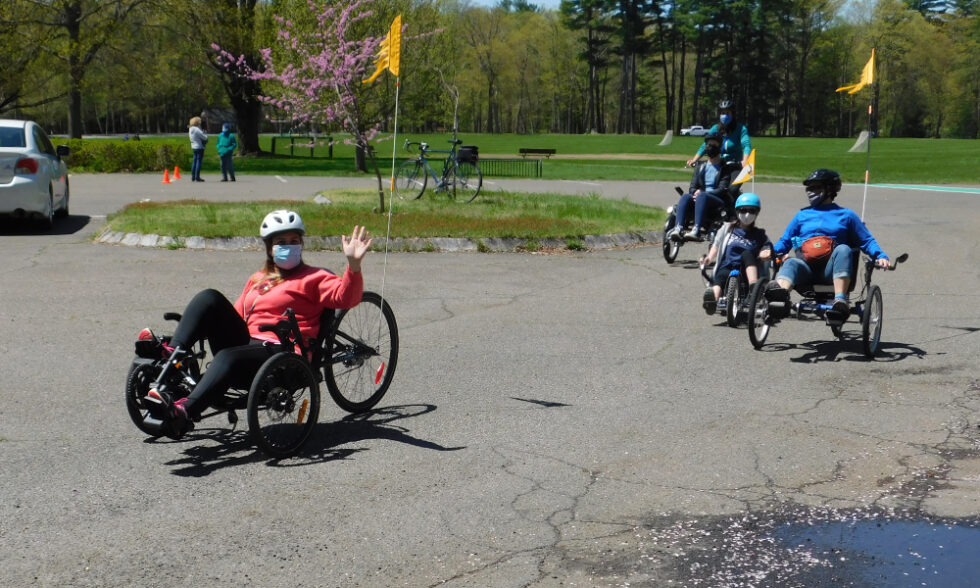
[726, 119]
[287, 256]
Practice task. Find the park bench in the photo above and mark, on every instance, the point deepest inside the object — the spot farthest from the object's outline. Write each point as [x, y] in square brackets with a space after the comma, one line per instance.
[524, 151]
[304, 141]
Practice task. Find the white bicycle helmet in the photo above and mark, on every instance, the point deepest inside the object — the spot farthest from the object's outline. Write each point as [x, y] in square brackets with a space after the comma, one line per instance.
[281, 221]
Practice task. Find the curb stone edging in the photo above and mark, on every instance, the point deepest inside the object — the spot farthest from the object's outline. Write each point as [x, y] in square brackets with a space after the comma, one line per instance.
[406, 244]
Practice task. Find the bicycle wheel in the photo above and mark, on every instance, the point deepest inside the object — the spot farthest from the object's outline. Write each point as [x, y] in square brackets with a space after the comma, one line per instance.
[141, 374]
[468, 181]
[283, 405]
[671, 248]
[758, 314]
[410, 180]
[733, 297]
[363, 354]
[871, 321]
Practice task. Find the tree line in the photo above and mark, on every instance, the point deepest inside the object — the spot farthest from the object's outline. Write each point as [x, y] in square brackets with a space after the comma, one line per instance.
[591, 66]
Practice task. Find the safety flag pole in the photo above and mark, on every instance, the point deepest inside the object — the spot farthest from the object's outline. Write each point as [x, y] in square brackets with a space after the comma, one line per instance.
[389, 57]
[867, 79]
[867, 158]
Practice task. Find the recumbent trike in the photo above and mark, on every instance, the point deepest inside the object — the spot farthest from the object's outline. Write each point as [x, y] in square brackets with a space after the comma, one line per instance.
[355, 353]
[817, 301]
[672, 248]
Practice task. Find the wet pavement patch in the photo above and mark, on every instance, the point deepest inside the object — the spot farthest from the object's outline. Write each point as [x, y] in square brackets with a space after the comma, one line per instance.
[808, 547]
[894, 553]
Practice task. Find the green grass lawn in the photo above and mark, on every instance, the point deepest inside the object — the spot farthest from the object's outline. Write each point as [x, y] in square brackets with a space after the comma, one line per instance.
[920, 161]
[492, 215]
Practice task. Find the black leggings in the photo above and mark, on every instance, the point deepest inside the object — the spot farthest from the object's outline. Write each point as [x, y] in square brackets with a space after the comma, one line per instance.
[237, 357]
[748, 258]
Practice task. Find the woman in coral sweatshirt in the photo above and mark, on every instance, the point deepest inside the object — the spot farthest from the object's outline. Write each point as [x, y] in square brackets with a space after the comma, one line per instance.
[232, 329]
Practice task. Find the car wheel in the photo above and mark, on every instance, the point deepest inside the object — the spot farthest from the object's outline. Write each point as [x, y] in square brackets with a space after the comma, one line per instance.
[47, 221]
[63, 211]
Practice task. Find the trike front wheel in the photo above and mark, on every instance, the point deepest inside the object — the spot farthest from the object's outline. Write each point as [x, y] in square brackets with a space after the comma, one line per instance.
[871, 321]
[283, 405]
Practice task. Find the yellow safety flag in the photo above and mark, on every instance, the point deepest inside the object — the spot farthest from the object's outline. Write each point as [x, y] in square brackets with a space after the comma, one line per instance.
[748, 170]
[390, 53]
[867, 77]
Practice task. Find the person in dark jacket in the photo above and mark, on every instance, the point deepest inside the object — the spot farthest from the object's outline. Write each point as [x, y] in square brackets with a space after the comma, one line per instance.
[710, 191]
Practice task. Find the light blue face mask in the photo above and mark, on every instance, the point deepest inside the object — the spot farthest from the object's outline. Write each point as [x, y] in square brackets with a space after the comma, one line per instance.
[287, 256]
[726, 119]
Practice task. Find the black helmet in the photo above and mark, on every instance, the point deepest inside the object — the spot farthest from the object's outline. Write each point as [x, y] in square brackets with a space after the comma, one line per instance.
[726, 104]
[712, 135]
[828, 178]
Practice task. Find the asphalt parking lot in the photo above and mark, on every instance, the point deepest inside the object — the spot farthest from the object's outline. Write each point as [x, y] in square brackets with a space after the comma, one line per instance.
[555, 420]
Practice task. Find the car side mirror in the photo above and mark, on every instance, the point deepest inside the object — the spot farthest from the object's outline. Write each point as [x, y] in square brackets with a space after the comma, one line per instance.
[62, 151]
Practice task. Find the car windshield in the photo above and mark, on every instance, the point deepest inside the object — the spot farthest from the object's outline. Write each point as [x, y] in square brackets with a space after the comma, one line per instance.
[12, 137]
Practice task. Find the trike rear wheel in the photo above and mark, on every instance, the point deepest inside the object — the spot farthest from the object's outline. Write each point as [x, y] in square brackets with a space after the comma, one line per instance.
[141, 374]
[758, 314]
[671, 248]
[871, 321]
[733, 298]
[283, 405]
[363, 353]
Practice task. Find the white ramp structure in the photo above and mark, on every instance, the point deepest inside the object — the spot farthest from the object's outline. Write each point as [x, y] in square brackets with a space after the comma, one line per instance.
[861, 144]
[668, 137]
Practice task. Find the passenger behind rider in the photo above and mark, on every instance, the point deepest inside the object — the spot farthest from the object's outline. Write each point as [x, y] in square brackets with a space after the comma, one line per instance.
[709, 191]
[238, 347]
[736, 145]
[823, 218]
[742, 246]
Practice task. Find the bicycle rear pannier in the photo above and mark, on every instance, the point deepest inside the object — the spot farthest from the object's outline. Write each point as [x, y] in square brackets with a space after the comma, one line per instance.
[468, 153]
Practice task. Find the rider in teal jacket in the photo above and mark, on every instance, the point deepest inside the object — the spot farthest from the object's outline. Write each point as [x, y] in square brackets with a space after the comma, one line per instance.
[736, 144]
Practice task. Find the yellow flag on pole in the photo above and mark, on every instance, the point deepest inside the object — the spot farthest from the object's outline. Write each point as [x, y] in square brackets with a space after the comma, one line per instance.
[867, 77]
[748, 170]
[390, 53]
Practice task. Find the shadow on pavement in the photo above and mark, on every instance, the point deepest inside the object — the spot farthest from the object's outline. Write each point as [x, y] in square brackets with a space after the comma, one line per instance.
[850, 349]
[68, 225]
[233, 447]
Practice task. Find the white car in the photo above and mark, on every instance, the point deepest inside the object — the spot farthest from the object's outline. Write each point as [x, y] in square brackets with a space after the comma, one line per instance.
[694, 131]
[33, 174]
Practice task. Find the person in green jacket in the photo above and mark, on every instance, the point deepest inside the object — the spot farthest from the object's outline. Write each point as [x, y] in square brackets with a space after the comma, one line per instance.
[226, 151]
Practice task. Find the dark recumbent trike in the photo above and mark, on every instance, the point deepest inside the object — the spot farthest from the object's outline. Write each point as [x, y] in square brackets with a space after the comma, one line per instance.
[355, 352]
[818, 302]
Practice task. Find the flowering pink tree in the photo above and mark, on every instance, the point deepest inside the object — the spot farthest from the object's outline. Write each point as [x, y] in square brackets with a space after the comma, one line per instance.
[317, 72]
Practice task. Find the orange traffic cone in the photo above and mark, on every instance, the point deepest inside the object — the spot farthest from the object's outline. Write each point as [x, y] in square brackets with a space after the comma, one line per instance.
[176, 172]
[166, 177]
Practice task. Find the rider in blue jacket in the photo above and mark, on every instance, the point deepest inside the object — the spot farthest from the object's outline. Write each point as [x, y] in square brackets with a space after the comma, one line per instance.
[736, 144]
[823, 218]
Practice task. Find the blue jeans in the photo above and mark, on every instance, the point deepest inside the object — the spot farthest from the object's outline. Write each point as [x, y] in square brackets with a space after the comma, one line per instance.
[704, 203]
[196, 163]
[840, 265]
[227, 167]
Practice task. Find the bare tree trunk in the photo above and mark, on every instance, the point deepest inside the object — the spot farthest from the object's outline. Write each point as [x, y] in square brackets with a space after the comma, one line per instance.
[377, 173]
